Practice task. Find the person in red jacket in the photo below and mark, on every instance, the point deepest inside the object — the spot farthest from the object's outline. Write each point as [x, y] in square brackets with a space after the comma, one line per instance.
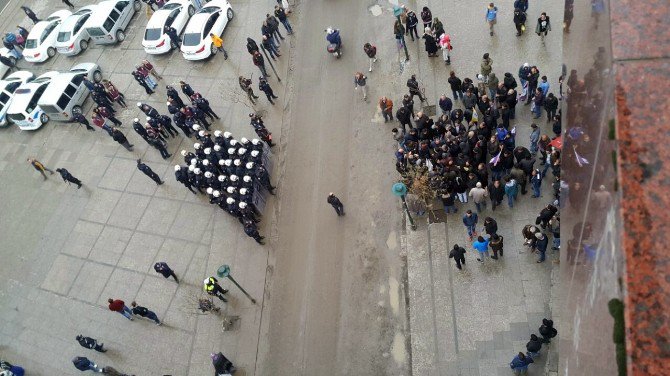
[119, 306]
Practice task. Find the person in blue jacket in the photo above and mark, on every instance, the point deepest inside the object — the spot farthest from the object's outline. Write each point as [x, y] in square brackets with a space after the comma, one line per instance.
[470, 222]
[520, 364]
[481, 245]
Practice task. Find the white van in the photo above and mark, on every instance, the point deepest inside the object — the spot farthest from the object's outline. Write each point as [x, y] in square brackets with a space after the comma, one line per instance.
[66, 92]
[109, 20]
[23, 110]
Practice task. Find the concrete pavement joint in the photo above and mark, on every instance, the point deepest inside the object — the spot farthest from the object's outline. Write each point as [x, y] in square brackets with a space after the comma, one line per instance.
[451, 289]
[432, 298]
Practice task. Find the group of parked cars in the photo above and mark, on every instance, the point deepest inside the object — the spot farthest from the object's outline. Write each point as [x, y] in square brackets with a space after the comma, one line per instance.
[29, 101]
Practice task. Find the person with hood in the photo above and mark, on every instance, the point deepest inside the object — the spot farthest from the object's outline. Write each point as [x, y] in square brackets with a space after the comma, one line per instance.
[458, 254]
[551, 106]
[252, 46]
[491, 16]
[445, 44]
[437, 28]
[541, 245]
[519, 21]
[492, 85]
[84, 364]
[259, 61]
[486, 66]
[427, 17]
[399, 31]
[481, 245]
[412, 24]
[533, 347]
[222, 366]
[543, 26]
[547, 330]
[496, 193]
[524, 71]
[490, 226]
[520, 364]
[511, 190]
[496, 244]
[430, 43]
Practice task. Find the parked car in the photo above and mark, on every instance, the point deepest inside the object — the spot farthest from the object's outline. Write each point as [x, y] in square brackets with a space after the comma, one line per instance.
[66, 92]
[212, 18]
[109, 20]
[174, 14]
[41, 41]
[7, 88]
[4, 68]
[23, 110]
[72, 36]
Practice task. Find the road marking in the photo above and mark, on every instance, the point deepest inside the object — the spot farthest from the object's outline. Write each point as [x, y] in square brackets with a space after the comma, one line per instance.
[451, 290]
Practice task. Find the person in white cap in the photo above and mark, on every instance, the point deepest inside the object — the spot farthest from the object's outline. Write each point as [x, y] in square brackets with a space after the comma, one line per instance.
[336, 204]
[479, 195]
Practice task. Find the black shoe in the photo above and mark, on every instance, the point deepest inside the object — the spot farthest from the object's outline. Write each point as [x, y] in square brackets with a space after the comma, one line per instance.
[494, 257]
[161, 183]
[79, 186]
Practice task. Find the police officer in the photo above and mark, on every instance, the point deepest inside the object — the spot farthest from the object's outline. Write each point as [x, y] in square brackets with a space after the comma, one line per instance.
[203, 105]
[180, 175]
[173, 94]
[263, 177]
[148, 110]
[174, 36]
[251, 231]
[91, 343]
[166, 124]
[248, 212]
[199, 115]
[160, 145]
[81, 119]
[413, 87]
[65, 174]
[212, 287]
[149, 172]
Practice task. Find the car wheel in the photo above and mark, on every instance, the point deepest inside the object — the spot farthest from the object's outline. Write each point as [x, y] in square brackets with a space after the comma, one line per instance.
[137, 5]
[51, 51]
[44, 118]
[120, 36]
[230, 14]
[97, 76]
[213, 49]
[76, 110]
[191, 11]
[83, 44]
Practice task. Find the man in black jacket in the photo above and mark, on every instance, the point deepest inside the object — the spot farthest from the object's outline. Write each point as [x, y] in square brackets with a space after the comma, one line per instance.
[336, 204]
[65, 174]
[458, 254]
[91, 343]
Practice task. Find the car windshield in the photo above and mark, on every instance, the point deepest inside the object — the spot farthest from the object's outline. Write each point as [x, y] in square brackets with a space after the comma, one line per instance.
[64, 36]
[95, 32]
[153, 34]
[209, 9]
[191, 39]
[31, 43]
[170, 6]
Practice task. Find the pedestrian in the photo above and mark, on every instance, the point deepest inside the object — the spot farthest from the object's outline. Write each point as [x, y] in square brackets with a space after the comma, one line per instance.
[555, 228]
[8, 62]
[29, 12]
[491, 16]
[371, 52]
[259, 61]
[430, 42]
[470, 222]
[534, 139]
[568, 15]
[490, 226]
[160, 145]
[175, 41]
[105, 113]
[551, 106]
[9, 45]
[252, 231]
[84, 364]
[486, 67]
[404, 116]
[212, 287]
[245, 85]
[445, 44]
[91, 343]
[533, 347]
[496, 244]
[280, 13]
[543, 26]
[399, 31]
[222, 366]
[427, 17]
[360, 81]
[218, 43]
[113, 93]
[547, 330]
[496, 193]
[481, 245]
[458, 254]
[165, 270]
[520, 364]
[69, 4]
[541, 245]
[118, 305]
[546, 214]
[264, 86]
[511, 190]
[67, 177]
[412, 24]
[413, 86]
[140, 80]
[386, 107]
[437, 28]
[8, 369]
[336, 204]
[149, 172]
[40, 167]
[144, 312]
[111, 371]
[456, 86]
[152, 70]
[252, 46]
[146, 75]
[273, 24]
[119, 137]
[519, 21]
[478, 195]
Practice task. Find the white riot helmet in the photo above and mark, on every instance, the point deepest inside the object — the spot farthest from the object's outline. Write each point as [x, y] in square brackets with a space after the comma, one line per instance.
[205, 162]
[229, 162]
[191, 168]
[197, 171]
[194, 161]
[221, 162]
[177, 167]
[210, 190]
[256, 141]
[231, 151]
[242, 205]
[230, 200]
[250, 165]
[196, 145]
[217, 133]
[136, 120]
[183, 153]
[254, 153]
[201, 133]
[230, 190]
[148, 118]
[246, 179]
[222, 178]
[208, 150]
[234, 178]
[208, 174]
[233, 142]
[227, 135]
[244, 140]
[217, 193]
[243, 191]
[196, 127]
[237, 162]
[217, 148]
[139, 104]
[241, 151]
[167, 103]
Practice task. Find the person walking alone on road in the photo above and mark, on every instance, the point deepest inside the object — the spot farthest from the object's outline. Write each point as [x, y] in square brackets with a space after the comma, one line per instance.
[491, 16]
[519, 21]
[470, 222]
[165, 270]
[336, 204]
[212, 287]
[543, 26]
[496, 244]
[386, 106]
[91, 343]
[119, 306]
[119, 137]
[222, 366]
[40, 167]
[29, 12]
[360, 81]
[218, 43]
[144, 312]
[412, 25]
[264, 86]
[413, 86]
[149, 172]
[67, 177]
[84, 364]
[458, 254]
[245, 85]
[371, 52]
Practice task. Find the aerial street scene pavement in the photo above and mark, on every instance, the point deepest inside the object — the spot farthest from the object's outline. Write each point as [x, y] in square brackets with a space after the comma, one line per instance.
[315, 187]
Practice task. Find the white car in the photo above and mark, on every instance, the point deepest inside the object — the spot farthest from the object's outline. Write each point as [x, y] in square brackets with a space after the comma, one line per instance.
[42, 38]
[212, 18]
[23, 110]
[4, 68]
[72, 36]
[7, 88]
[173, 14]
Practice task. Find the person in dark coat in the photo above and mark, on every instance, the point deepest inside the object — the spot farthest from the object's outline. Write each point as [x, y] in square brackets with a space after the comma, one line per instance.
[173, 35]
[264, 86]
[541, 245]
[252, 232]
[259, 61]
[91, 343]
[458, 254]
[84, 364]
[81, 119]
[221, 364]
[404, 116]
[173, 94]
[119, 137]
[160, 145]
[545, 215]
[336, 204]
[496, 193]
[252, 46]
[165, 270]
[430, 43]
[146, 170]
[140, 80]
[533, 347]
[67, 177]
[186, 89]
[547, 330]
[490, 226]
[496, 244]
[29, 12]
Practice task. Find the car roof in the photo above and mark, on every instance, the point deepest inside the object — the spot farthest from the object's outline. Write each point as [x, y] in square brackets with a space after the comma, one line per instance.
[197, 23]
[56, 87]
[20, 100]
[158, 18]
[69, 22]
